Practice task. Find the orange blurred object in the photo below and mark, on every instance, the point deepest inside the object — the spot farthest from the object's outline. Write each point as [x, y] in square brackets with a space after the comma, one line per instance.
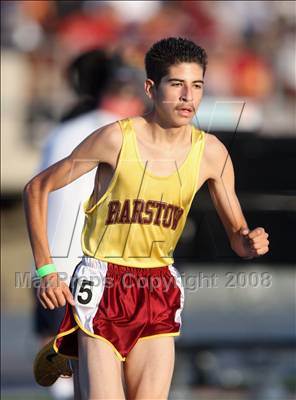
[252, 77]
[39, 11]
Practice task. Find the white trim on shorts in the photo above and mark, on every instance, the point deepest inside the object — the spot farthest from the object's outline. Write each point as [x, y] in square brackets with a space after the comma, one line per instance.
[179, 283]
[93, 270]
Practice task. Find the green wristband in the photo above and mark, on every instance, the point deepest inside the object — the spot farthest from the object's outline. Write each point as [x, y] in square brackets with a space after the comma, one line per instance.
[46, 270]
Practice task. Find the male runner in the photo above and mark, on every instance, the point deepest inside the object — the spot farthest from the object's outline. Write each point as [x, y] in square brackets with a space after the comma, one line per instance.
[126, 289]
[104, 86]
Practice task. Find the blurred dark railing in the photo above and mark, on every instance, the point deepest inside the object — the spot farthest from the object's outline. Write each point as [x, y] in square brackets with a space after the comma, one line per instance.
[266, 188]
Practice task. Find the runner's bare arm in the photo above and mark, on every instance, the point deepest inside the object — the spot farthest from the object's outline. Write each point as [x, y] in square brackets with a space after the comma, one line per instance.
[101, 146]
[221, 183]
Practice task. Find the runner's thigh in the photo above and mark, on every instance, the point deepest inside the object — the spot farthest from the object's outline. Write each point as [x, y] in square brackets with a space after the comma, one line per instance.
[99, 369]
[149, 368]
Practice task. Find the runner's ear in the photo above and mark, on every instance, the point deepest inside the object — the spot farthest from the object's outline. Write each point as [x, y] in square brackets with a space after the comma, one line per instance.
[149, 88]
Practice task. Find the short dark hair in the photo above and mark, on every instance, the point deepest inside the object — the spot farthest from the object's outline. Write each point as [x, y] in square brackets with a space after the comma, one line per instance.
[172, 51]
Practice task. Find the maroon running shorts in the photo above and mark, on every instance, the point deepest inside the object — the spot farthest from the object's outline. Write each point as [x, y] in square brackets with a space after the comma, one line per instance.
[121, 305]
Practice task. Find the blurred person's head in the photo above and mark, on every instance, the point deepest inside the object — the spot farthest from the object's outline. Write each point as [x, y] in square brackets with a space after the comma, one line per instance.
[124, 95]
[90, 73]
[175, 69]
[97, 77]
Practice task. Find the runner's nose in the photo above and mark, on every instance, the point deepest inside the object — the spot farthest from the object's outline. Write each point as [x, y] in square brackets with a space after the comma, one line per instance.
[186, 95]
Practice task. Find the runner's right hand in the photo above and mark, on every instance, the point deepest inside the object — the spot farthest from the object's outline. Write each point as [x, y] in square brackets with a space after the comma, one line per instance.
[54, 293]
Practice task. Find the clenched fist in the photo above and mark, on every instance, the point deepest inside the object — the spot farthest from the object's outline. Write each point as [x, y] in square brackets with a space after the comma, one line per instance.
[54, 293]
[249, 244]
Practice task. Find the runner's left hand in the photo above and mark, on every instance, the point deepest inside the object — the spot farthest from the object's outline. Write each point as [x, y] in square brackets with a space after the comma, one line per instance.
[249, 244]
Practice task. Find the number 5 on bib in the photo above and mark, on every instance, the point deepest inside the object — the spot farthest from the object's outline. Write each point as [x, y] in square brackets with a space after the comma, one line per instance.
[85, 295]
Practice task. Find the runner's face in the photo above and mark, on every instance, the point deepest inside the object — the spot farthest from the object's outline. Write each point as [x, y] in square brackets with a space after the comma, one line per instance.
[179, 93]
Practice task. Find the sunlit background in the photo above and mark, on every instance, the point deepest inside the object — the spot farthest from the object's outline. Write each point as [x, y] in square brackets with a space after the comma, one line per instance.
[238, 342]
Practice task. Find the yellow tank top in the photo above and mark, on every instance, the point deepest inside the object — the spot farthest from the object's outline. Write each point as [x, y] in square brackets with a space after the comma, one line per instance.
[139, 219]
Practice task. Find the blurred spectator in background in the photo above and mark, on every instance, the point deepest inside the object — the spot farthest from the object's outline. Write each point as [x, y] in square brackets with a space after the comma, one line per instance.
[107, 90]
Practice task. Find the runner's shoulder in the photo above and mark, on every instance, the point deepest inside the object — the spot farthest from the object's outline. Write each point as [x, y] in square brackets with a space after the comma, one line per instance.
[213, 146]
[109, 135]
[102, 144]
